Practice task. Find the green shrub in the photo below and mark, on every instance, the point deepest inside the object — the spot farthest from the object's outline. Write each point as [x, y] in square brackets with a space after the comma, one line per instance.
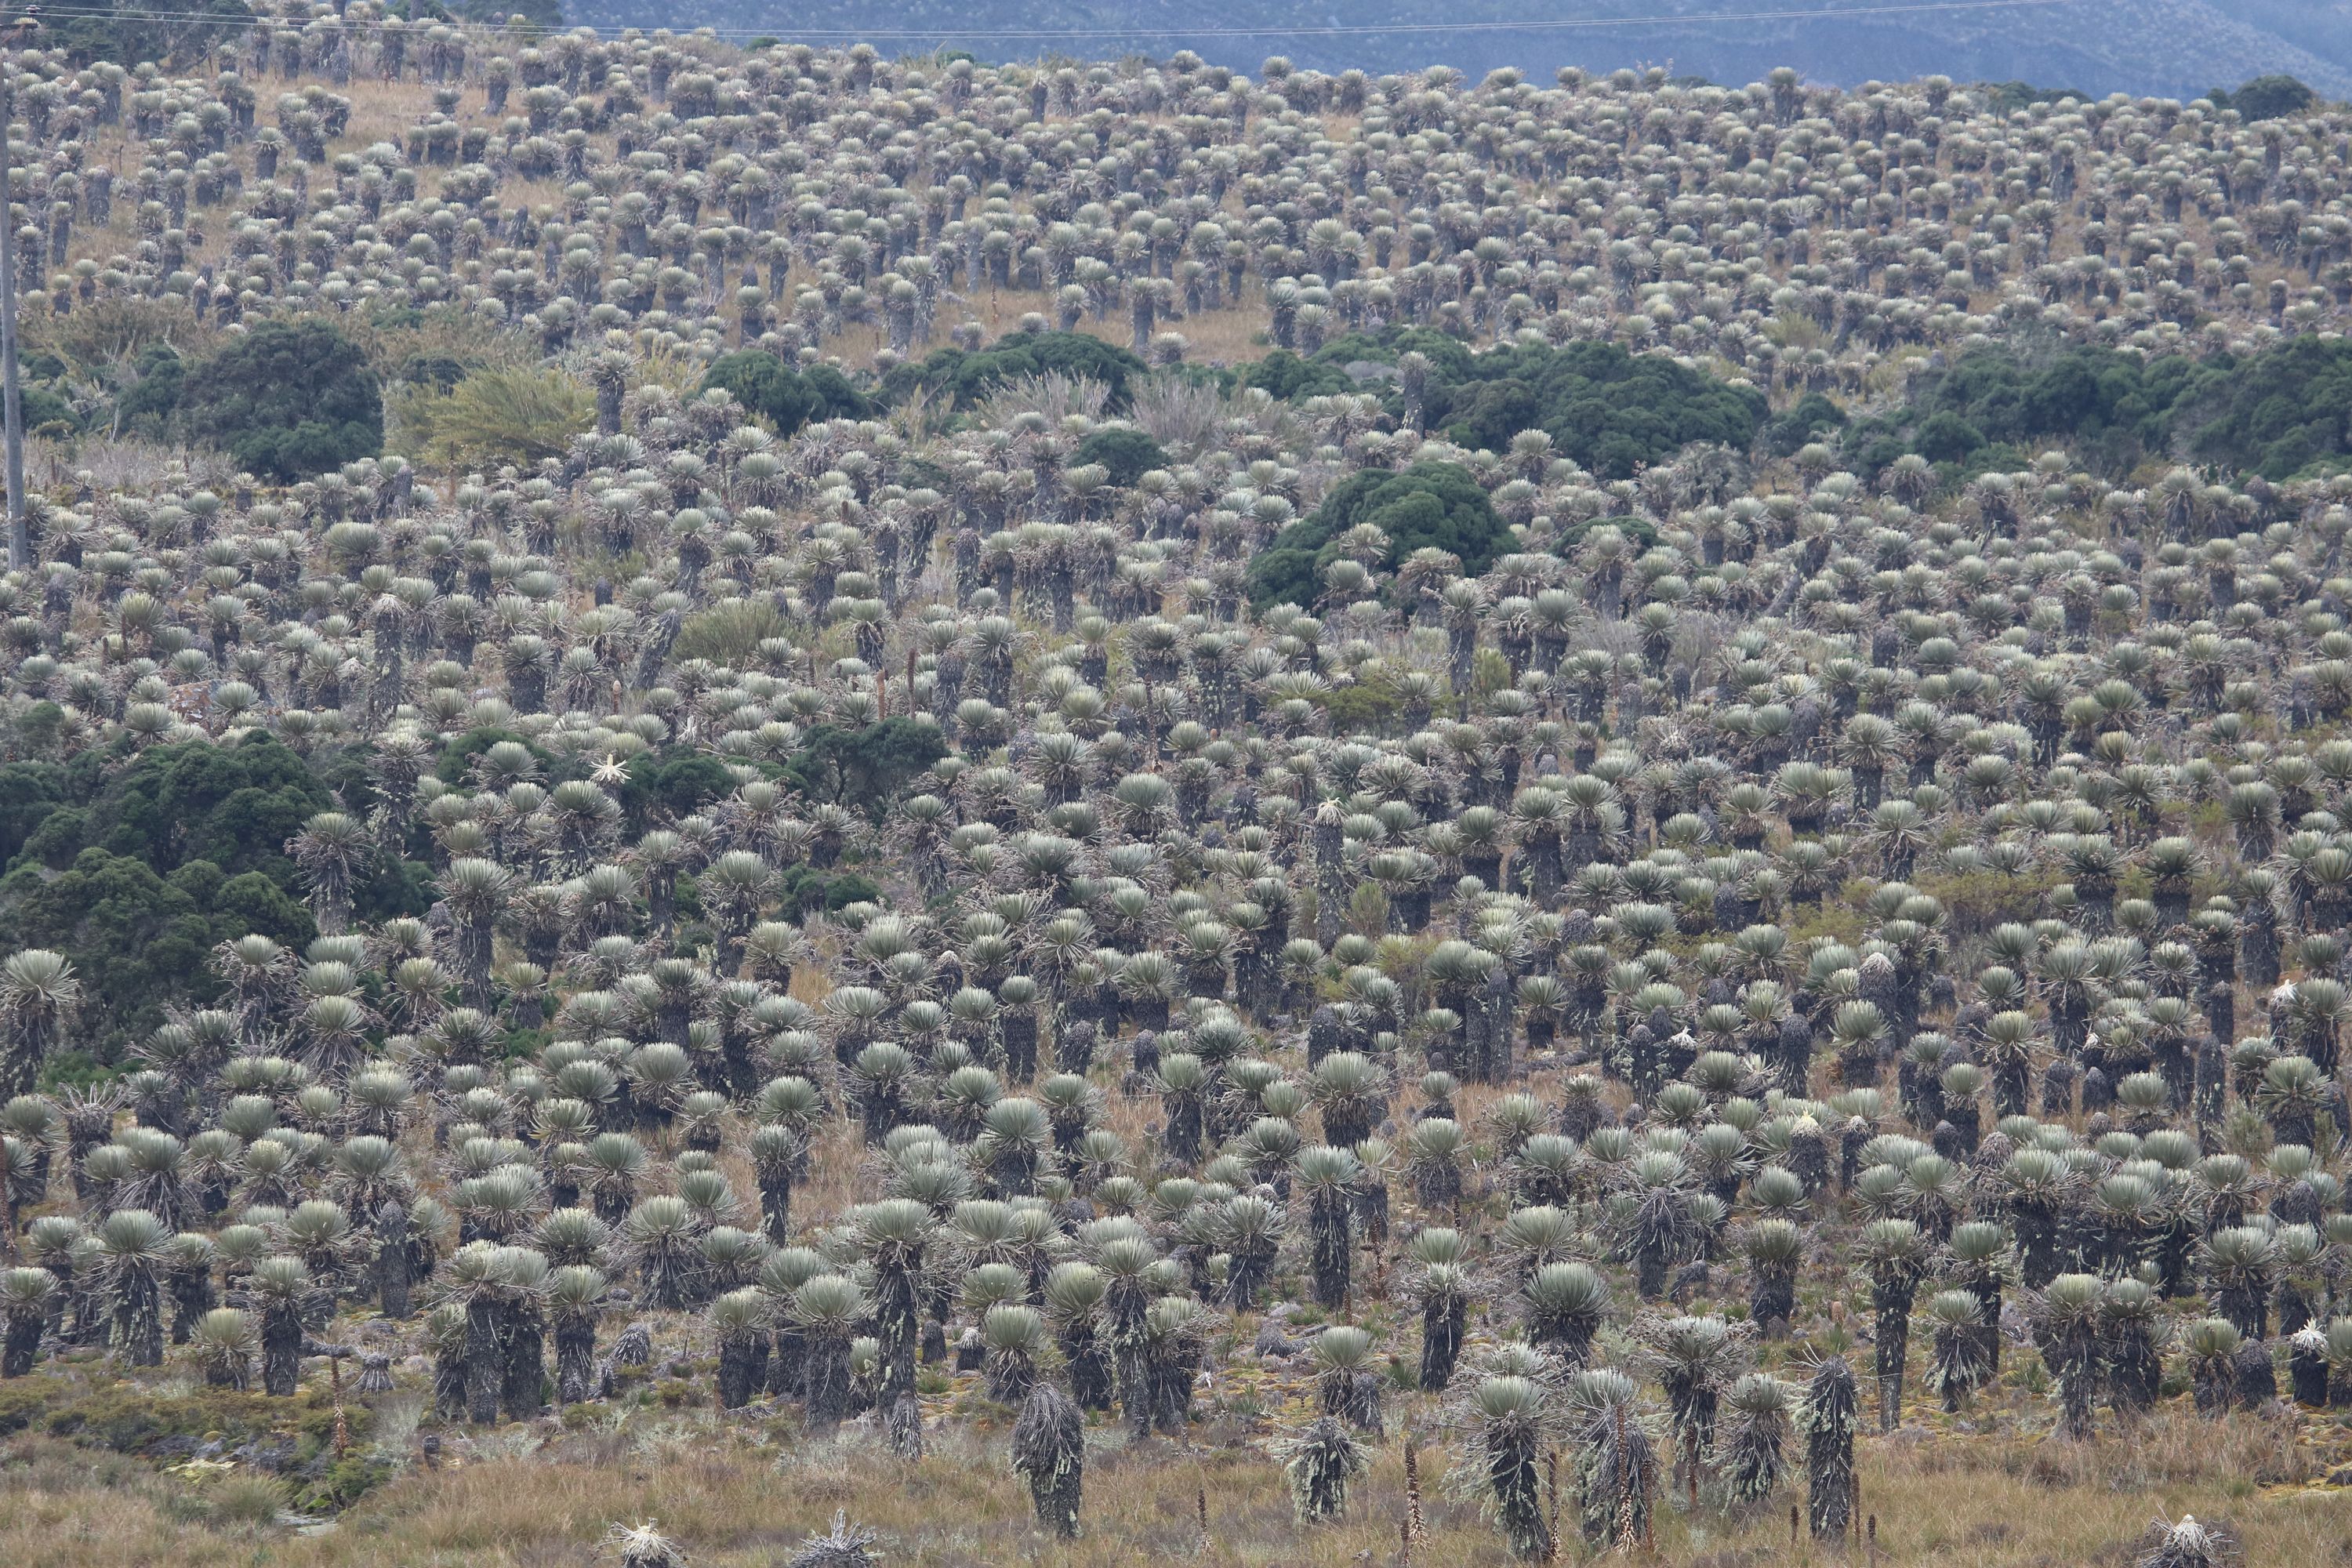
[729, 633]
[785, 397]
[663, 786]
[1947, 437]
[805, 890]
[288, 400]
[868, 767]
[1449, 357]
[964, 378]
[1813, 419]
[2005, 98]
[29, 794]
[1610, 411]
[127, 34]
[139, 942]
[346, 1482]
[135, 876]
[1285, 375]
[233, 805]
[542, 15]
[496, 416]
[1363, 707]
[1127, 453]
[2266, 98]
[1607, 410]
[146, 406]
[2276, 412]
[1428, 506]
[45, 410]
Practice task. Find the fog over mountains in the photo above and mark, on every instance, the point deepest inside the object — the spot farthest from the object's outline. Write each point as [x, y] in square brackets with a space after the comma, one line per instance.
[2165, 48]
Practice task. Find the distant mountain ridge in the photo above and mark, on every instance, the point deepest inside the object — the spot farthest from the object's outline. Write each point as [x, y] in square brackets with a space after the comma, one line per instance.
[2175, 49]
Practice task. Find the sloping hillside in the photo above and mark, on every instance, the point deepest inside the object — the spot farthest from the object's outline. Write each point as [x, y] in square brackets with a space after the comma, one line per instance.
[2167, 48]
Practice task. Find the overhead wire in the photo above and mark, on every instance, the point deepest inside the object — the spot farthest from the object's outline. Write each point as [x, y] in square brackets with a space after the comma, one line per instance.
[802, 30]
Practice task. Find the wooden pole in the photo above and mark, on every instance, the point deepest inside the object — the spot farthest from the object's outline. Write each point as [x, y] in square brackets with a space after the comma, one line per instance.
[12, 403]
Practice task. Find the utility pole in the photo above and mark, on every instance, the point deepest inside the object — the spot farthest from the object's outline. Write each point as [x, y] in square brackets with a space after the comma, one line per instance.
[12, 401]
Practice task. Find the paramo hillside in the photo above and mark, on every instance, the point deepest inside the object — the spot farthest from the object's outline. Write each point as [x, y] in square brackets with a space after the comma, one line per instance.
[1306, 815]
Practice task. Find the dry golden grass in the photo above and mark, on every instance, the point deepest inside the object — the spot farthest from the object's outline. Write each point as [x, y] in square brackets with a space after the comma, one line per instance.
[746, 1492]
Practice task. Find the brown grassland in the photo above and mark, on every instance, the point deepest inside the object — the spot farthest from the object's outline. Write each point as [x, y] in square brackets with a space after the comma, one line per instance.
[746, 1491]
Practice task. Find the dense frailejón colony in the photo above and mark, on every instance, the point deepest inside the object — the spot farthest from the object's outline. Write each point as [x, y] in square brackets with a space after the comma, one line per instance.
[678, 189]
[1050, 866]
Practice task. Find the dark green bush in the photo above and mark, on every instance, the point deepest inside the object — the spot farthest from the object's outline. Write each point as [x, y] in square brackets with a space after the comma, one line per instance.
[2008, 97]
[129, 35]
[805, 890]
[1127, 453]
[137, 941]
[1812, 419]
[784, 396]
[964, 378]
[2276, 412]
[134, 874]
[233, 805]
[1428, 506]
[43, 408]
[288, 400]
[1285, 375]
[663, 786]
[866, 768]
[29, 794]
[457, 757]
[148, 404]
[2266, 98]
[1609, 411]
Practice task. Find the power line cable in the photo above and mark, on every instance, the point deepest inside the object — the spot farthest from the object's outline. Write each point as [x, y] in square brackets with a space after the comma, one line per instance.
[855, 33]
